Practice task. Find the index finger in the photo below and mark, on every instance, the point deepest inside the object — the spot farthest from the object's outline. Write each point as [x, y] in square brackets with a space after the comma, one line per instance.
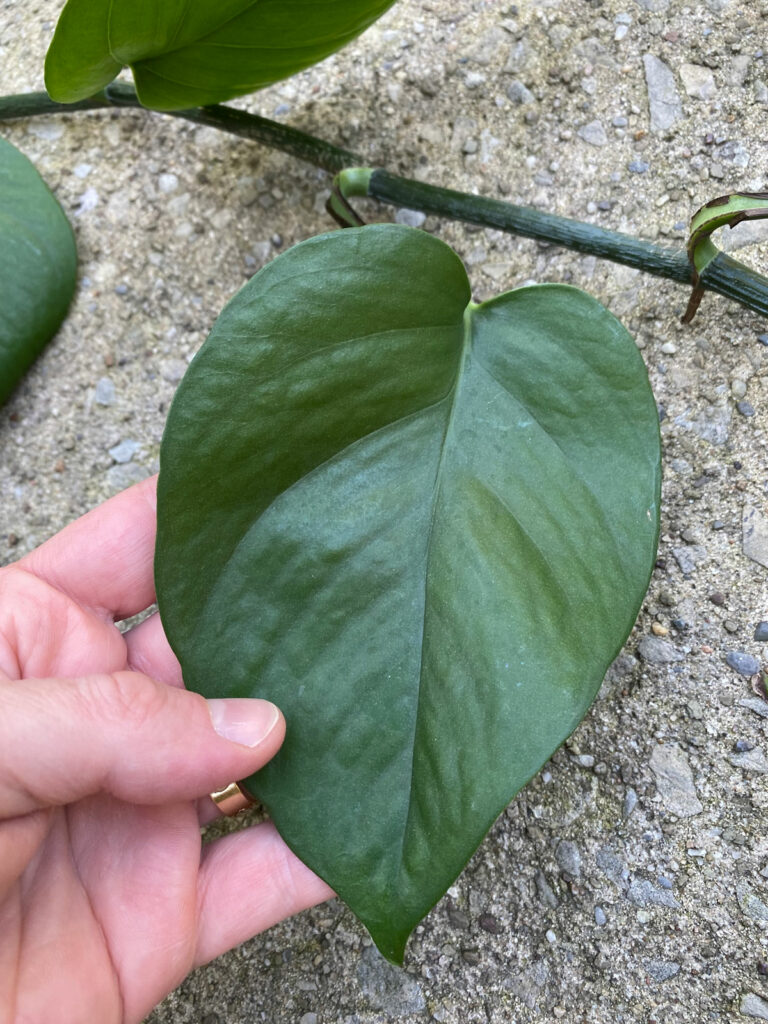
[104, 560]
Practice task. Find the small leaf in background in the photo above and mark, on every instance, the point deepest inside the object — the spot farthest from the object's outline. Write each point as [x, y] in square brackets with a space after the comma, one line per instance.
[188, 55]
[38, 266]
[422, 527]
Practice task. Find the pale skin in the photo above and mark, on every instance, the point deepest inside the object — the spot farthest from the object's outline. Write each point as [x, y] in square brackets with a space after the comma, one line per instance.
[106, 899]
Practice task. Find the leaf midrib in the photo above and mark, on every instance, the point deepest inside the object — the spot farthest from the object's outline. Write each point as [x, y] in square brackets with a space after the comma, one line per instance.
[437, 486]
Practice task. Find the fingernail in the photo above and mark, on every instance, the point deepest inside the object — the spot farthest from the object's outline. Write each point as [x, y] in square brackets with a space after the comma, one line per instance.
[243, 720]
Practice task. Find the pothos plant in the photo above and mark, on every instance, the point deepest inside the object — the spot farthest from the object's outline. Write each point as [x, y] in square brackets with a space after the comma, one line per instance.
[422, 526]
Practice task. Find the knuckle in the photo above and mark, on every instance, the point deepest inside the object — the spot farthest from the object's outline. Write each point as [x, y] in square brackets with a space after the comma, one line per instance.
[124, 698]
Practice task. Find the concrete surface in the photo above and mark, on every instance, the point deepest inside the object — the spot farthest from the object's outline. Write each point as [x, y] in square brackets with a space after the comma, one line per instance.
[628, 882]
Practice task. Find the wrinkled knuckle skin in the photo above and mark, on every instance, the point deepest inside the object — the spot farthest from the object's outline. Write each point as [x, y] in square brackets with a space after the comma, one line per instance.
[124, 698]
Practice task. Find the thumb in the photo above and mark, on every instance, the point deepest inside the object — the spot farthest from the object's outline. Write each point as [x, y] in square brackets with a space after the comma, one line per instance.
[128, 735]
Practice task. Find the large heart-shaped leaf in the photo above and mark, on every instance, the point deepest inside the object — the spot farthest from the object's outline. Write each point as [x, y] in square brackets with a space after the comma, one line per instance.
[422, 527]
[38, 266]
[188, 54]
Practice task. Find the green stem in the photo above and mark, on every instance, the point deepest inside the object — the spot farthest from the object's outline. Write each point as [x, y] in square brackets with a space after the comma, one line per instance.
[723, 275]
[726, 276]
[523, 220]
[237, 122]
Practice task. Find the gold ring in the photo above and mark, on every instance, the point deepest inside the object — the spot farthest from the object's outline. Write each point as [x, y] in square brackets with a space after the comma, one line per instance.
[232, 799]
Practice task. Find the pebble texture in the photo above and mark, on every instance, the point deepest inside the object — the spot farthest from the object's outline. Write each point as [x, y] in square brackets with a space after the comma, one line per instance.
[674, 780]
[621, 886]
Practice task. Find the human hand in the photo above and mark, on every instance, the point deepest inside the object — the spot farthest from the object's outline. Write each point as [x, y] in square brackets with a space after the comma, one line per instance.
[106, 902]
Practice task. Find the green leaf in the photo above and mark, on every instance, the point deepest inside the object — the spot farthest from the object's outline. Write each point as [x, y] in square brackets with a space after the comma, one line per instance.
[38, 266]
[187, 55]
[731, 210]
[422, 527]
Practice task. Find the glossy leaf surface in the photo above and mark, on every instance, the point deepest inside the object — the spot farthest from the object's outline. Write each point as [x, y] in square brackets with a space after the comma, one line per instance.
[187, 55]
[420, 526]
[38, 266]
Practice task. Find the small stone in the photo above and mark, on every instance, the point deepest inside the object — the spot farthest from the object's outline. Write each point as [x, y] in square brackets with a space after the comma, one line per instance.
[674, 780]
[585, 760]
[645, 894]
[520, 55]
[753, 1005]
[568, 858]
[488, 46]
[518, 93]
[600, 918]
[125, 450]
[689, 557]
[394, 992]
[637, 166]
[755, 536]
[751, 761]
[761, 632]
[458, 918]
[168, 183]
[173, 370]
[630, 802]
[593, 133]
[545, 891]
[744, 664]
[411, 218]
[88, 201]
[611, 865]
[657, 651]
[550, 937]
[717, 598]
[750, 903]
[46, 128]
[473, 79]
[662, 970]
[699, 82]
[489, 924]
[695, 710]
[663, 98]
[711, 424]
[105, 392]
[308, 1018]
[745, 408]
[756, 704]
